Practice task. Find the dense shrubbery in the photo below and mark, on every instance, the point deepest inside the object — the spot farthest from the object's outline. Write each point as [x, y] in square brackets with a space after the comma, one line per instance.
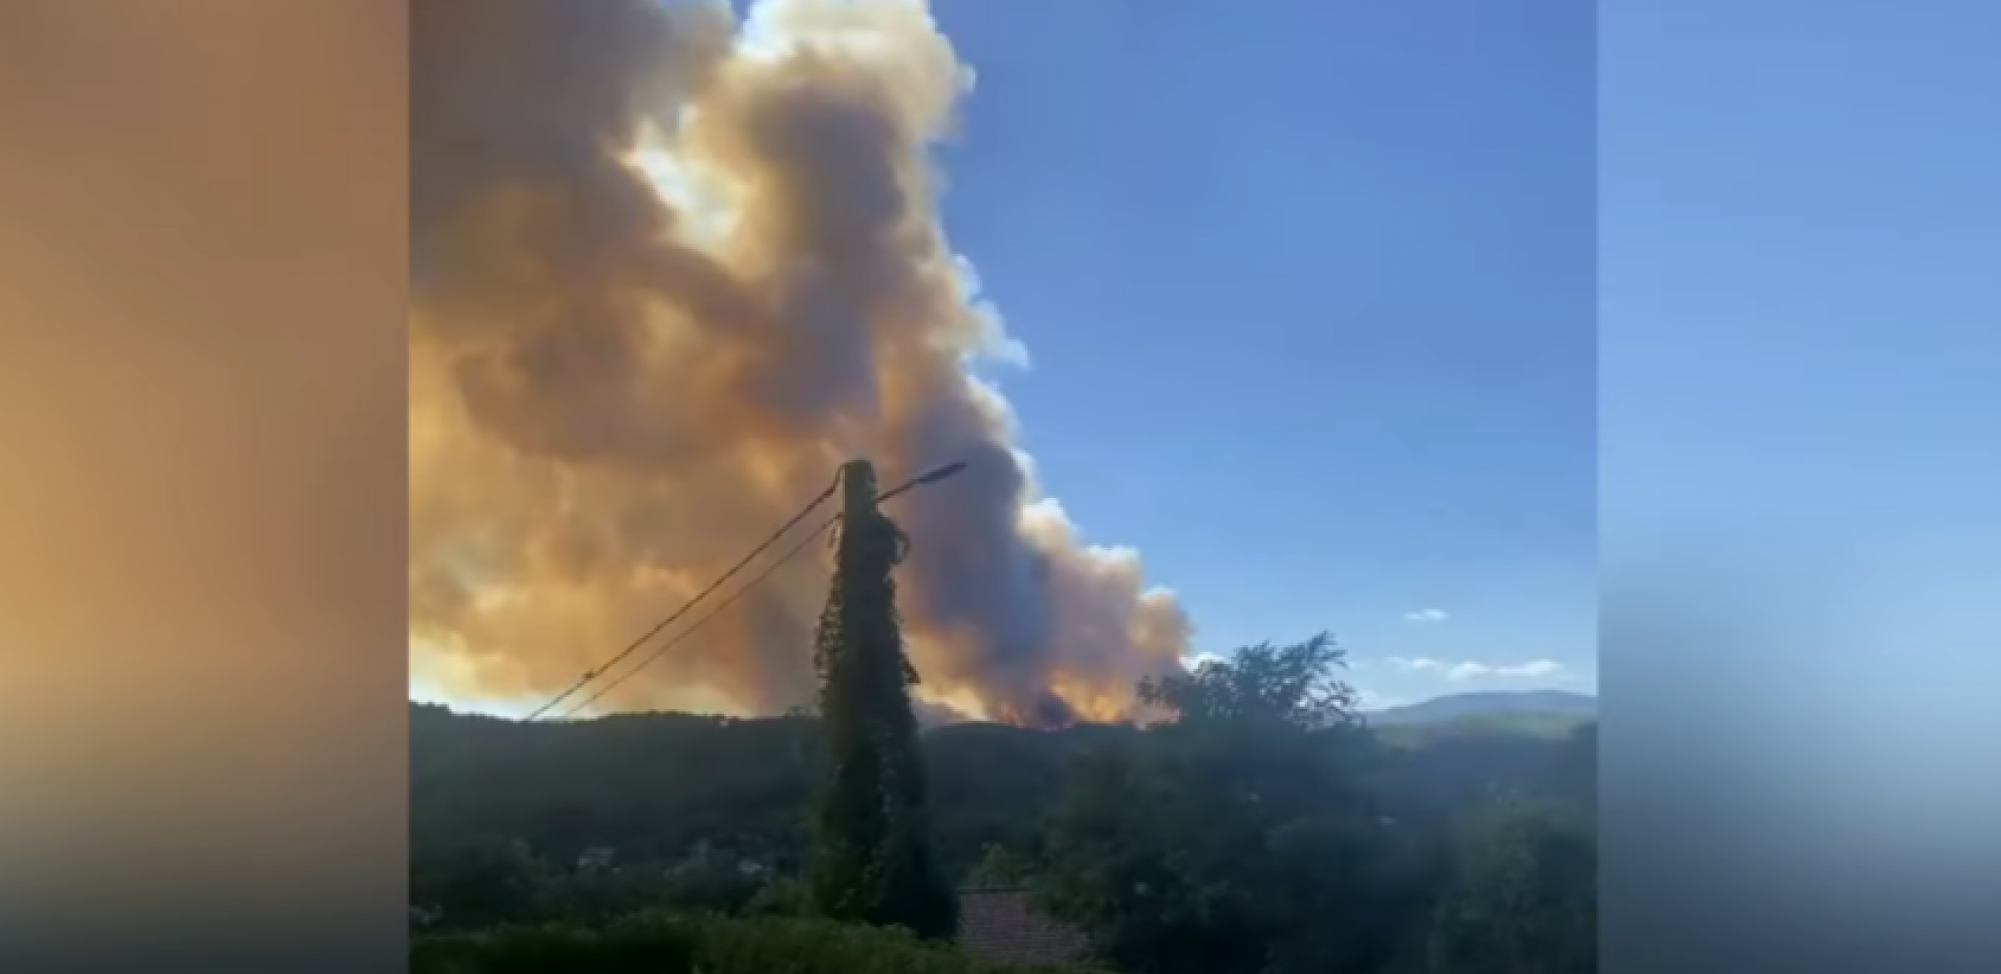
[485, 884]
[1258, 830]
[623, 782]
[1523, 898]
[1255, 832]
[659, 944]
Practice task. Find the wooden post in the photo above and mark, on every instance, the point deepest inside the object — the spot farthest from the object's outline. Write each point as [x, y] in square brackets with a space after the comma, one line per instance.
[858, 491]
[873, 862]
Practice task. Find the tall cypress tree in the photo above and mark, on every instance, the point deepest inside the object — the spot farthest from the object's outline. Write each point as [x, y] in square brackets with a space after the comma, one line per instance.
[873, 861]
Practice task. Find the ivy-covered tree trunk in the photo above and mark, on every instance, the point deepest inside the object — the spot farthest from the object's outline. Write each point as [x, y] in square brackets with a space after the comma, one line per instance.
[873, 860]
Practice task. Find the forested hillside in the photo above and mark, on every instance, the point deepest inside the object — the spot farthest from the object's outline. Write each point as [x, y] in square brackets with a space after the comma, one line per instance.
[1261, 827]
[665, 789]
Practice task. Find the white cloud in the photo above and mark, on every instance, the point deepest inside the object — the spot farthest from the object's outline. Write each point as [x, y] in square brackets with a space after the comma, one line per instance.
[1426, 615]
[1540, 669]
[1422, 664]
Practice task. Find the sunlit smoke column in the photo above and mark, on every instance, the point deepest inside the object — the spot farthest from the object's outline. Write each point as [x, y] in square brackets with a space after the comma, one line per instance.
[669, 262]
[873, 861]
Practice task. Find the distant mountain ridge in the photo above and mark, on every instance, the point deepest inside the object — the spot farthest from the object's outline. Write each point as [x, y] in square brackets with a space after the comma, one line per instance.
[1465, 706]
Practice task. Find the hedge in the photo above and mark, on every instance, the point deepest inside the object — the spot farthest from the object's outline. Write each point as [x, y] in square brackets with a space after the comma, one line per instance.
[680, 945]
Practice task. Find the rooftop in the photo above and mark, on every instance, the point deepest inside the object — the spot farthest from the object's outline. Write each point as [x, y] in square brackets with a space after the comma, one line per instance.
[1002, 926]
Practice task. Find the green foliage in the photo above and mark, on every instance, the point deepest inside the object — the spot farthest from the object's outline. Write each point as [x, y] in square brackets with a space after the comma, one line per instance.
[482, 785]
[1236, 836]
[659, 944]
[1525, 898]
[1573, 777]
[484, 885]
[819, 947]
[550, 949]
[1253, 831]
[873, 860]
[782, 897]
[1296, 684]
[621, 782]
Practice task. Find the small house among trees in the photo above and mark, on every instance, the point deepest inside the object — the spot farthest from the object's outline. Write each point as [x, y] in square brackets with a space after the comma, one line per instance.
[1003, 926]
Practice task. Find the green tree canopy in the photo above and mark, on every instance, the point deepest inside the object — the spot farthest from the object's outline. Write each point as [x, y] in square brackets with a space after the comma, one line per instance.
[1234, 839]
[1299, 685]
[1525, 896]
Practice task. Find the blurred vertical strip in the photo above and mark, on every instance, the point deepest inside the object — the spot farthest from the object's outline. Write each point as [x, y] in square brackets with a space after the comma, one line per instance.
[1800, 488]
[203, 282]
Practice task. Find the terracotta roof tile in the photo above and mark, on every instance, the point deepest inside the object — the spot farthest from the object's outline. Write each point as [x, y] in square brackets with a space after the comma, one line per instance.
[1001, 925]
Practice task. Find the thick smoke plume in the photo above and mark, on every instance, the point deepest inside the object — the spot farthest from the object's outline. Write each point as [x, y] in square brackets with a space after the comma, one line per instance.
[669, 270]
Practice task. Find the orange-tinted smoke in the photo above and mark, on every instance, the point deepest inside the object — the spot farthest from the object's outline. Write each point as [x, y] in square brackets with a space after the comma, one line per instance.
[669, 270]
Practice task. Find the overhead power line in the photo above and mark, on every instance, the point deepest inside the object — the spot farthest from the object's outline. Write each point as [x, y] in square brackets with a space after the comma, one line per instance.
[712, 613]
[928, 477]
[595, 672]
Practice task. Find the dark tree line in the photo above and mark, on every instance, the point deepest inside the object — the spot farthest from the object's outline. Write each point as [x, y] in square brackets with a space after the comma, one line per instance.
[1260, 828]
[1469, 852]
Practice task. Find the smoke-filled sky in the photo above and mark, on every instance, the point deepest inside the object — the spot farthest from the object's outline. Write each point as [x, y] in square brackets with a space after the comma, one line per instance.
[670, 269]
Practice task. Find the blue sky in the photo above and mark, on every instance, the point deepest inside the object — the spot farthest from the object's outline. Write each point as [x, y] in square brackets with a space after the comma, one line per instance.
[1800, 386]
[1800, 414]
[1309, 292]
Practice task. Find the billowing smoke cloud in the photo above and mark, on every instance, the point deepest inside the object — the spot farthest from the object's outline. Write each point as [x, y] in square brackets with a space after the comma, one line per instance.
[669, 270]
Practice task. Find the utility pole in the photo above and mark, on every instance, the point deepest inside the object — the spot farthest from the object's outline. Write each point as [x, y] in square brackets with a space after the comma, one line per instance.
[873, 856]
[858, 500]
